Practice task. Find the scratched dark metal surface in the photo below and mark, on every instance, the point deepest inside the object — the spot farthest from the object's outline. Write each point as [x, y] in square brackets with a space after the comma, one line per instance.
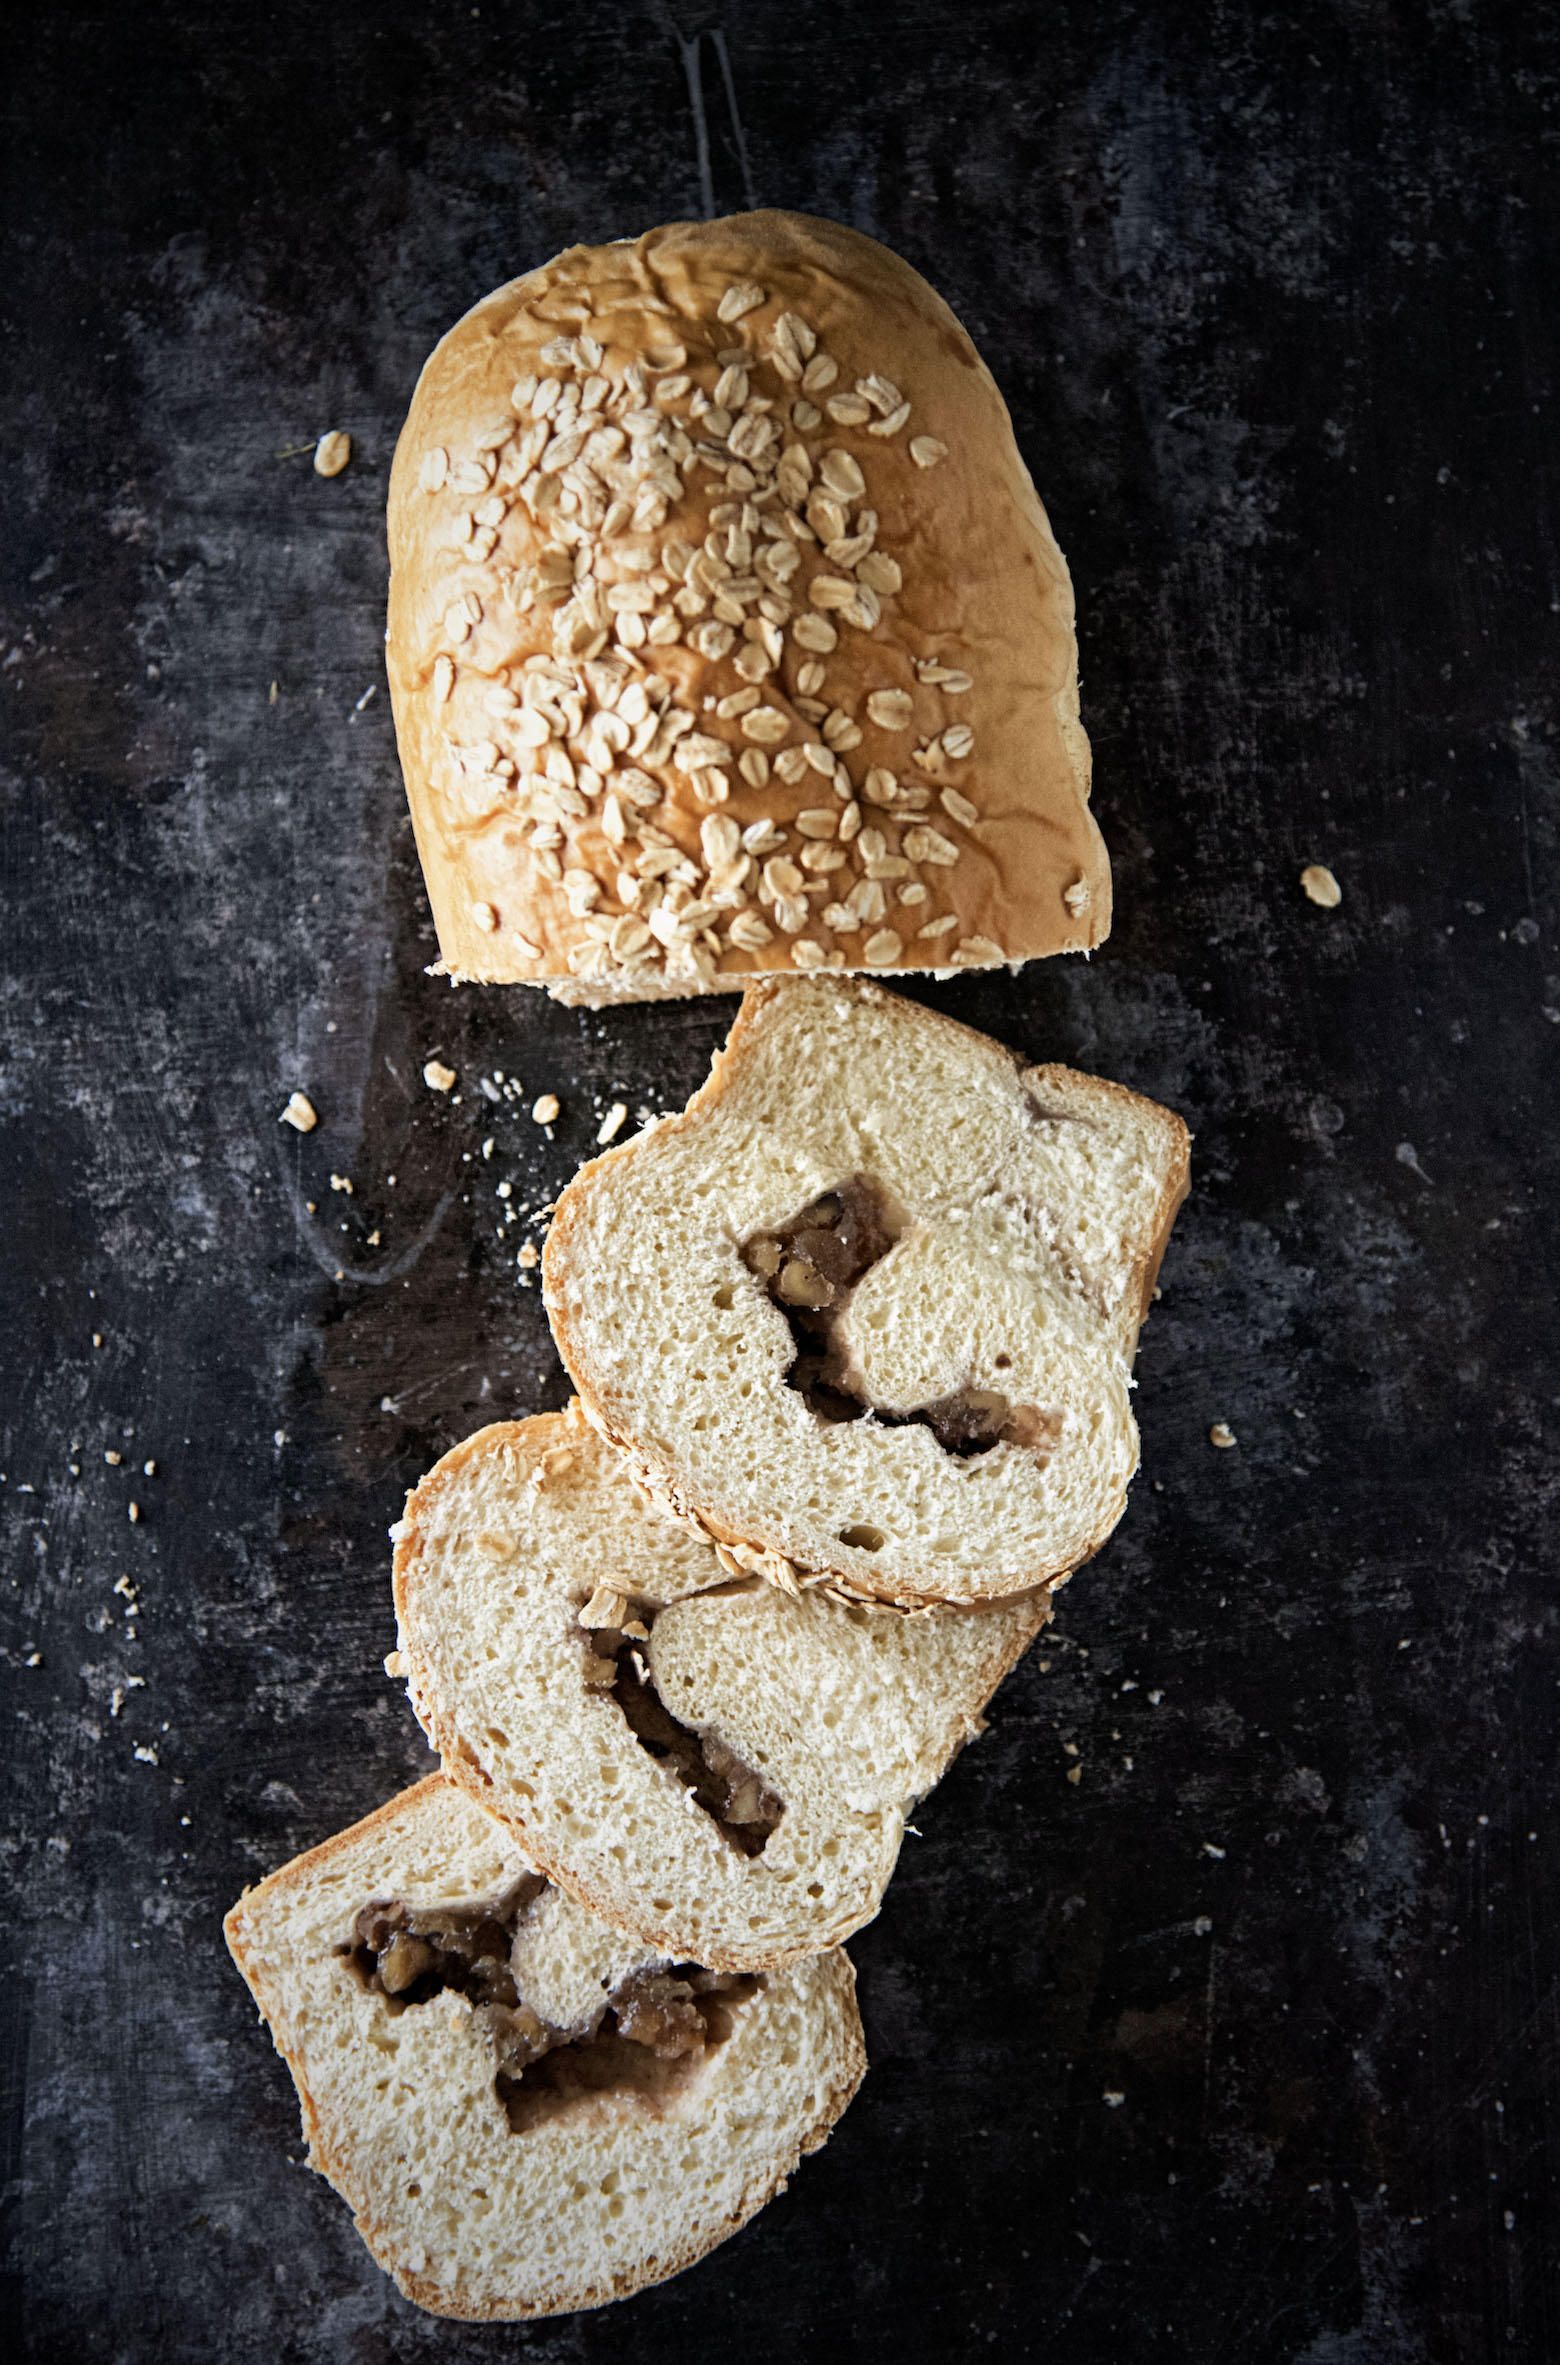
[1242, 2045]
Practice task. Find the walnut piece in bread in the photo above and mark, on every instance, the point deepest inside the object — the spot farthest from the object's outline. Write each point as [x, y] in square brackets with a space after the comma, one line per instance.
[727, 633]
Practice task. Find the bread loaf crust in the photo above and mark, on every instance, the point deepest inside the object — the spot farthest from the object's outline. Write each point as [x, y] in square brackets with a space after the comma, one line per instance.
[1001, 848]
[821, 1992]
[566, 1268]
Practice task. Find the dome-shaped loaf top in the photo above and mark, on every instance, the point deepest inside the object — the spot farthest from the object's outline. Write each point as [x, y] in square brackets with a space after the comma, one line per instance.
[727, 632]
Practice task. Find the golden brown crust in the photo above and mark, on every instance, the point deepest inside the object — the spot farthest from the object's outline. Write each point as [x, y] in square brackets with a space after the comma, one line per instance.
[984, 589]
[659, 1483]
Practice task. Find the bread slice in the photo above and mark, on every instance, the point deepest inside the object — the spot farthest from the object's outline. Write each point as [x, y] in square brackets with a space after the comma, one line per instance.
[604, 2164]
[759, 1824]
[717, 575]
[938, 1409]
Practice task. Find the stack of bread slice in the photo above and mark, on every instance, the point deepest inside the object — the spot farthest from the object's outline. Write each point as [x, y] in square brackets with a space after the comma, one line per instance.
[852, 1339]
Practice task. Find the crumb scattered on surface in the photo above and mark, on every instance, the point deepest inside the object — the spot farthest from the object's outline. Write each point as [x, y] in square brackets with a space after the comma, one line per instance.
[437, 1076]
[1221, 1434]
[341, 1182]
[1319, 883]
[545, 1110]
[300, 1112]
[612, 1123]
[332, 452]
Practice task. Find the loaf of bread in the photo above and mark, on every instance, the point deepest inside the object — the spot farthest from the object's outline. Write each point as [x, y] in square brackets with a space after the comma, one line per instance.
[867, 1310]
[525, 2112]
[727, 633]
[718, 1768]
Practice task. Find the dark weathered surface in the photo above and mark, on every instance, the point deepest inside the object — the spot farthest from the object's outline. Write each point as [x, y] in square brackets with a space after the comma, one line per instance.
[1273, 300]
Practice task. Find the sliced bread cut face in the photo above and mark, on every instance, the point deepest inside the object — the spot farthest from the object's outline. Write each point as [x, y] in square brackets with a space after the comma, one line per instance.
[868, 1308]
[525, 2112]
[715, 1766]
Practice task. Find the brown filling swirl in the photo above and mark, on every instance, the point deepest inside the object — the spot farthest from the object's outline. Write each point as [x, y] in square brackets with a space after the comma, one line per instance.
[654, 2027]
[809, 1266]
[731, 1792]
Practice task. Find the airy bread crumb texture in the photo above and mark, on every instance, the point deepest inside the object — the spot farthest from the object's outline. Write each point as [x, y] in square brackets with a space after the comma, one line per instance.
[1035, 1207]
[847, 1713]
[611, 2193]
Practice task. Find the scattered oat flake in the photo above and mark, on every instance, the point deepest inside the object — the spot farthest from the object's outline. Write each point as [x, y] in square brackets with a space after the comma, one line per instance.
[332, 453]
[1320, 885]
[544, 1110]
[1222, 1435]
[437, 1076]
[927, 450]
[612, 1123]
[300, 1112]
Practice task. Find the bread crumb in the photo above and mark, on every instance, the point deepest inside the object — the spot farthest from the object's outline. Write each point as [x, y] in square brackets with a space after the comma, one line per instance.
[545, 1110]
[148, 1469]
[1319, 883]
[299, 1112]
[97, 1338]
[437, 1077]
[135, 1513]
[395, 1665]
[1113, 2100]
[611, 1124]
[341, 1182]
[1221, 1435]
[113, 1459]
[1201, 1926]
[1075, 1774]
[146, 1757]
[528, 1258]
[332, 453]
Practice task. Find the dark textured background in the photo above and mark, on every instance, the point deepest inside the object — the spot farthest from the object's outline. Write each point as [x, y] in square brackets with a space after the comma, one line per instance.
[1272, 295]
